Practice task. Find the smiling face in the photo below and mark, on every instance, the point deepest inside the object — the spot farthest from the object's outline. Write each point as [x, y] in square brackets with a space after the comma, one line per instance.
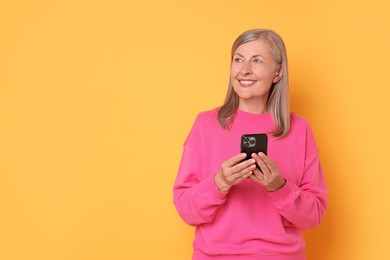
[252, 73]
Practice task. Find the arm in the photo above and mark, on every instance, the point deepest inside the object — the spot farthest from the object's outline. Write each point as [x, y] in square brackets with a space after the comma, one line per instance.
[197, 200]
[196, 197]
[199, 193]
[304, 205]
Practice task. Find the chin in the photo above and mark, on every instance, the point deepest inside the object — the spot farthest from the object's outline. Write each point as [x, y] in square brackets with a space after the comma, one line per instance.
[245, 97]
[245, 92]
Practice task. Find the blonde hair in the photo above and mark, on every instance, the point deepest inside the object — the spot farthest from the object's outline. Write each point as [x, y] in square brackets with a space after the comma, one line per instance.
[278, 100]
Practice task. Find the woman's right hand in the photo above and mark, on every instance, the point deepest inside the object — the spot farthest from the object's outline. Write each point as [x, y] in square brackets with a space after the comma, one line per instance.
[233, 171]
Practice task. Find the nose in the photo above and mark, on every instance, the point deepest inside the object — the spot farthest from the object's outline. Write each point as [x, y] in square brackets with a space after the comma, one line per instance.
[246, 68]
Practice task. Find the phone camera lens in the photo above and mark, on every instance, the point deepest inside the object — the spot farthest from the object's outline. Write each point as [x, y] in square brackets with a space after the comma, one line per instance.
[246, 139]
[252, 141]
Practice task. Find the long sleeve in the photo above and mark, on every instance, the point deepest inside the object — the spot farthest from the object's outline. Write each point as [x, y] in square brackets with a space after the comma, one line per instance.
[196, 198]
[248, 221]
[304, 205]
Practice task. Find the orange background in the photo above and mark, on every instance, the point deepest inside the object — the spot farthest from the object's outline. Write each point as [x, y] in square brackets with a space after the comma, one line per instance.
[97, 97]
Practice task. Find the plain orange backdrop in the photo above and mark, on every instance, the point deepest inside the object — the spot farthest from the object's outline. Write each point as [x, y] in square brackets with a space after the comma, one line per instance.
[97, 97]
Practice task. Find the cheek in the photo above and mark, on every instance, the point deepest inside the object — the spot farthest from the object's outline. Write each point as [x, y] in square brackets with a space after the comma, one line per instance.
[234, 71]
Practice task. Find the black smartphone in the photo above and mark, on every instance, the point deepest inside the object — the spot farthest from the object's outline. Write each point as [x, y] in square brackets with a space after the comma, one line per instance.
[254, 143]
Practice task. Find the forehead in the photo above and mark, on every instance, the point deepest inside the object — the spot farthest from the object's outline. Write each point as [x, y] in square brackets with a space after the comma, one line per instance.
[253, 48]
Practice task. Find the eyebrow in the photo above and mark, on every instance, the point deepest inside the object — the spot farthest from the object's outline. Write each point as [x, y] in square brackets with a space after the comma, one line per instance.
[254, 56]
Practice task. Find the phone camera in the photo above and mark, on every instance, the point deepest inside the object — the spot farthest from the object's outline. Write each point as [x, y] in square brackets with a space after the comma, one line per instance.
[249, 141]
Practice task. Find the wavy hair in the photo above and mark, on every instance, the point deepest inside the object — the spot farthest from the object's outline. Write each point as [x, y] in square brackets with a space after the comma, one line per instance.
[278, 99]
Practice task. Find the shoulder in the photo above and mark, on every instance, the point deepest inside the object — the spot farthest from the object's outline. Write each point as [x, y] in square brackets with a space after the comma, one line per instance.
[207, 117]
[298, 121]
[205, 122]
[208, 114]
[299, 125]
[301, 129]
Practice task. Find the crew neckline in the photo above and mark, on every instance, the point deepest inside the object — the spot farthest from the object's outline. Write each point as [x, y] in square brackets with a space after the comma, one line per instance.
[257, 122]
[248, 114]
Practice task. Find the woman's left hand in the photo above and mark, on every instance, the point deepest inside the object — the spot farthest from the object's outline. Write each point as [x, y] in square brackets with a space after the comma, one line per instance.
[269, 176]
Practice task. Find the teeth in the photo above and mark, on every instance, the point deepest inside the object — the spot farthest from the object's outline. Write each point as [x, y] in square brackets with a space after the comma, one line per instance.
[247, 81]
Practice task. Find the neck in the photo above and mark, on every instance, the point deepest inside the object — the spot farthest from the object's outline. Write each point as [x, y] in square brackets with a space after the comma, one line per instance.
[254, 107]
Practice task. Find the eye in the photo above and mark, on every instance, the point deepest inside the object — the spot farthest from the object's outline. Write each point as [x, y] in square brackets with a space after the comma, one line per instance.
[238, 59]
[257, 61]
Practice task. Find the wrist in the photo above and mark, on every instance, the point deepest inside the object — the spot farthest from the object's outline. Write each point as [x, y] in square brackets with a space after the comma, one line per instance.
[280, 185]
[221, 184]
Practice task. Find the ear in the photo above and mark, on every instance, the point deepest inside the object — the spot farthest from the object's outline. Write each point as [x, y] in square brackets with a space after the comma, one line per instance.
[278, 75]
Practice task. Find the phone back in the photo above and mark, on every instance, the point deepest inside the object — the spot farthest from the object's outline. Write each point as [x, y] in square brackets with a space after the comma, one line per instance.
[254, 143]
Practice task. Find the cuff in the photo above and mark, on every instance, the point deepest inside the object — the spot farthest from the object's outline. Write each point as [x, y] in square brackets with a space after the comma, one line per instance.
[284, 193]
[212, 191]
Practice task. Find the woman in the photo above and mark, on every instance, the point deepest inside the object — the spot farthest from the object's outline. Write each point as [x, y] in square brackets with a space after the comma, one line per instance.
[255, 208]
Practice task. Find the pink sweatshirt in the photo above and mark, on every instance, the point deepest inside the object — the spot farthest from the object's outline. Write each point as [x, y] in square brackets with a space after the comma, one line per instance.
[248, 222]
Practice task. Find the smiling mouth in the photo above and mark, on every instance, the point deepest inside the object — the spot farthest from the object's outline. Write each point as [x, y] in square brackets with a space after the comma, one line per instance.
[247, 82]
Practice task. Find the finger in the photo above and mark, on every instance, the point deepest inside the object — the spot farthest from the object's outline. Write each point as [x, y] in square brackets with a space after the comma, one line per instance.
[270, 164]
[246, 172]
[246, 175]
[255, 178]
[258, 174]
[234, 160]
[244, 165]
[234, 175]
[261, 163]
[239, 176]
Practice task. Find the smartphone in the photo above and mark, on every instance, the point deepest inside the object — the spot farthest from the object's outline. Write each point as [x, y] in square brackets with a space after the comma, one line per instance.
[254, 143]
